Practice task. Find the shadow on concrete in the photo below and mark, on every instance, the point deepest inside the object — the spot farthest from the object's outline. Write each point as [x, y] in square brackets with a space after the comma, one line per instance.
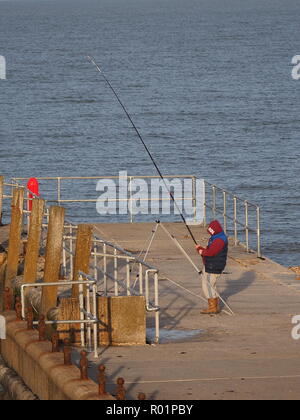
[233, 287]
[132, 388]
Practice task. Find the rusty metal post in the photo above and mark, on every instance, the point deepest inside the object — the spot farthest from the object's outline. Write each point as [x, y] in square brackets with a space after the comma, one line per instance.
[7, 299]
[84, 364]
[120, 390]
[14, 236]
[82, 254]
[1, 196]
[102, 380]
[55, 342]
[42, 328]
[53, 257]
[18, 308]
[67, 352]
[29, 318]
[34, 240]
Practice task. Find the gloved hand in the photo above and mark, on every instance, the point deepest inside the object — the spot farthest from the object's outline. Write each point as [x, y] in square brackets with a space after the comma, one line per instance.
[199, 248]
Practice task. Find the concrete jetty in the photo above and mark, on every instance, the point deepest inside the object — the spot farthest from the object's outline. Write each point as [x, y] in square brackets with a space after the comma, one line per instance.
[250, 355]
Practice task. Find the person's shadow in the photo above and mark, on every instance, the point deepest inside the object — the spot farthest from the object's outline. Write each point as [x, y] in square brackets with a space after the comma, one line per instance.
[233, 287]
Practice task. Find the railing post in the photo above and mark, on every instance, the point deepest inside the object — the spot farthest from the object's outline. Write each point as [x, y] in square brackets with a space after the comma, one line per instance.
[81, 307]
[82, 254]
[88, 309]
[116, 272]
[14, 235]
[258, 232]
[95, 261]
[53, 257]
[104, 269]
[141, 279]
[156, 304]
[225, 210]
[34, 240]
[246, 226]
[71, 252]
[214, 206]
[205, 207]
[235, 220]
[128, 276]
[194, 198]
[58, 189]
[1, 196]
[64, 259]
[130, 199]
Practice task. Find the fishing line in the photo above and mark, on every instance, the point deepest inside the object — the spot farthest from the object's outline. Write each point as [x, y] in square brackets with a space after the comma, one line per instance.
[92, 60]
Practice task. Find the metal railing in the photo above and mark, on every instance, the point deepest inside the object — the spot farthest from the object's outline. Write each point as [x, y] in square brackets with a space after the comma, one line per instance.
[86, 315]
[57, 190]
[116, 271]
[240, 217]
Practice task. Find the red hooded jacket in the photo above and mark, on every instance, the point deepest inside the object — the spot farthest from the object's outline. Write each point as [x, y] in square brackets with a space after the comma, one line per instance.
[213, 229]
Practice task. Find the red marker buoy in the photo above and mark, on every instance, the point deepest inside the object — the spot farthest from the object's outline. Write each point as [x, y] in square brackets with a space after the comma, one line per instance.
[33, 187]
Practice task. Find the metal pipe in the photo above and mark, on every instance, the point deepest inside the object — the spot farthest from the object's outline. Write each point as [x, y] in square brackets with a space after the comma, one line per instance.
[246, 226]
[81, 307]
[105, 269]
[258, 232]
[116, 273]
[234, 221]
[225, 210]
[128, 277]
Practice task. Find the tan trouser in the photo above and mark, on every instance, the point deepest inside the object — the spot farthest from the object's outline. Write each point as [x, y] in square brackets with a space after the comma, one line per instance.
[209, 283]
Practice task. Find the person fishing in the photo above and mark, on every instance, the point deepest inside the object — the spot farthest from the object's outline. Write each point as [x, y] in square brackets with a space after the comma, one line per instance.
[214, 260]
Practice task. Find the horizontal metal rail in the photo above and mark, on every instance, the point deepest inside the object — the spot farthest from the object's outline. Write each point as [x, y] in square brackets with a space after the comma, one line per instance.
[91, 317]
[58, 190]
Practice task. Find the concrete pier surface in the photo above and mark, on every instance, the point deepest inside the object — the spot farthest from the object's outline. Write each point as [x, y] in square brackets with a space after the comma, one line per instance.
[250, 355]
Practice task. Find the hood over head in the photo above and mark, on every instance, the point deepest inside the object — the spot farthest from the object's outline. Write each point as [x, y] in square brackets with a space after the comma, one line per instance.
[214, 228]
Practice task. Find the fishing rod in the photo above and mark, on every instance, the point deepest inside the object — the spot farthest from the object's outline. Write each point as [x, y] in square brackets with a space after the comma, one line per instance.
[92, 60]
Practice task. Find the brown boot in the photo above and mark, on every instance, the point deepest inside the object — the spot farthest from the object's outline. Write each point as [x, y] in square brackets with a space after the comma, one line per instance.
[213, 307]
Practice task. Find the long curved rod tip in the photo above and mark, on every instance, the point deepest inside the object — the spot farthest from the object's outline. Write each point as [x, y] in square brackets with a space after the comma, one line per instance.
[92, 60]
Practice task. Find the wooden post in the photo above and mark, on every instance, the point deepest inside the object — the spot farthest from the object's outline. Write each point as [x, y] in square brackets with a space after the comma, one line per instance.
[82, 254]
[34, 239]
[53, 257]
[1, 196]
[14, 236]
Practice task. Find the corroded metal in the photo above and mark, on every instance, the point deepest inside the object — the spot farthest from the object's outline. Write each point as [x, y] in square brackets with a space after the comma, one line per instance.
[83, 365]
[67, 352]
[102, 380]
[29, 318]
[55, 342]
[18, 308]
[120, 390]
[42, 328]
[7, 299]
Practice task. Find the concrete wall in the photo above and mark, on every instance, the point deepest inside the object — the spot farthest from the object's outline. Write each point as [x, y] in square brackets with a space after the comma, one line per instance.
[122, 320]
[42, 371]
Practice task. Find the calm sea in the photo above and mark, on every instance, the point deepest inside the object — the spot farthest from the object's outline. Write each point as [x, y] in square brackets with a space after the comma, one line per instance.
[207, 82]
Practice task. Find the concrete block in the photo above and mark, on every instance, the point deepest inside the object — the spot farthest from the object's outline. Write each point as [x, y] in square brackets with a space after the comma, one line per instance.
[122, 320]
